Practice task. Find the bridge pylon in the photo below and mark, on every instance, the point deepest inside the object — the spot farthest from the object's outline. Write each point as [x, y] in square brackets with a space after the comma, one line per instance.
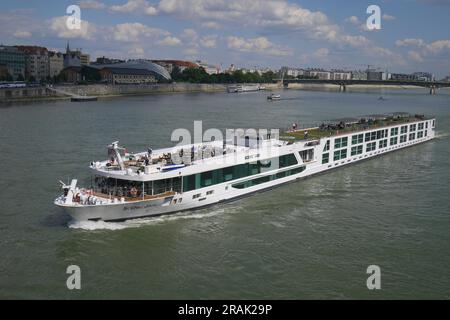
[432, 89]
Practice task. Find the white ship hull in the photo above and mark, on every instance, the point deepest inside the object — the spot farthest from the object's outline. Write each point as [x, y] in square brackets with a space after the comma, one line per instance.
[227, 191]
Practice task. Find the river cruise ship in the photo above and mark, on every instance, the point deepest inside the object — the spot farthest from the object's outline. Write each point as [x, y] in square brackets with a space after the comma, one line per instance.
[157, 182]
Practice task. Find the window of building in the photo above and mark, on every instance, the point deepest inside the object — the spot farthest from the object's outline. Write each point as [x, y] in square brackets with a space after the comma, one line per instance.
[279, 175]
[412, 136]
[195, 196]
[325, 158]
[426, 125]
[403, 138]
[420, 126]
[394, 131]
[340, 142]
[412, 127]
[327, 146]
[209, 192]
[393, 141]
[357, 150]
[373, 135]
[419, 134]
[340, 154]
[403, 129]
[357, 138]
[209, 178]
[426, 131]
[382, 144]
[371, 146]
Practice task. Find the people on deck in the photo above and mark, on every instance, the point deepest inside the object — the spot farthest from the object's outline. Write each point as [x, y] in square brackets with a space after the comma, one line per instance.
[133, 192]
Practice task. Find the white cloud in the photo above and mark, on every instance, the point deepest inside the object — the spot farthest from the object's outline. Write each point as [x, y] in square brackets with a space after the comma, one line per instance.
[321, 53]
[353, 20]
[438, 46]
[257, 45]
[410, 42]
[387, 17]
[415, 56]
[208, 41]
[191, 52]
[22, 34]
[435, 47]
[59, 27]
[136, 52]
[135, 6]
[170, 41]
[210, 25]
[135, 32]
[91, 4]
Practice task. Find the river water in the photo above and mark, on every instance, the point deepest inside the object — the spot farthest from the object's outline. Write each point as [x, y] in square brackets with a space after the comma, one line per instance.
[311, 239]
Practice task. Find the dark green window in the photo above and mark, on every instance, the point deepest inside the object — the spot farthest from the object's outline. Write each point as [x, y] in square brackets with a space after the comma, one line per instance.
[209, 178]
[340, 154]
[394, 131]
[412, 127]
[393, 141]
[357, 138]
[412, 136]
[357, 150]
[419, 134]
[327, 146]
[325, 158]
[420, 126]
[382, 144]
[403, 129]
[279, 175]
[340, 142]
[403, 138]
[371, 146]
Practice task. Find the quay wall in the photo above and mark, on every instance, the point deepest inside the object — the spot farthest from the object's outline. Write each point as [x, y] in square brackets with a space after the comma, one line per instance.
[40, 93]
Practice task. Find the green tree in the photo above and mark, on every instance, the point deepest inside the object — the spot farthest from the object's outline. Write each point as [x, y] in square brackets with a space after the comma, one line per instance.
[176, 74]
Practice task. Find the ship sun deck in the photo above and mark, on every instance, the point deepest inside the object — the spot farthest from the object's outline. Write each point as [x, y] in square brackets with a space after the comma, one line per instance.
[348, 125]
[167, 159]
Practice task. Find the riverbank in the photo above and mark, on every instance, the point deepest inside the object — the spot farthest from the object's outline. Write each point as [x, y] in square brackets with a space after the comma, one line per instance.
[107, 91]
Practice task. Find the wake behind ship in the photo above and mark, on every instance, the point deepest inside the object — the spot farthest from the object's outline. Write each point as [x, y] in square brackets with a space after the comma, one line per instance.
[164, 181]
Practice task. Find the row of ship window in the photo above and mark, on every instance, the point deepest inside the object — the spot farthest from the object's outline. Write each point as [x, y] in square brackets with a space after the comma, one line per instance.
[371, 146]
[340, 143]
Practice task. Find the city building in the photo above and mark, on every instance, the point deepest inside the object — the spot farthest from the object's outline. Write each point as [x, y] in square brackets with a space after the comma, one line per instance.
[158, 71]
[423, 76]
[75, 58]
[319, 74]
[292, 72]
[36, 62]
[127, 76]
[402, 77]
[374, 75]
[4, 74]
[72, 74]
[340, 75]
[104, 60]
[55, 62]
[209, 68]
[359, 75]
[170, 64]
[14, 61]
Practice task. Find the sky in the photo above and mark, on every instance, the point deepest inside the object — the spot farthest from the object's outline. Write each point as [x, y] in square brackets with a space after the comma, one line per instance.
[414, 34]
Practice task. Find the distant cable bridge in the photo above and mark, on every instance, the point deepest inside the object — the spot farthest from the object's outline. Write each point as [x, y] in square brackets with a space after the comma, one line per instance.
[432, 85]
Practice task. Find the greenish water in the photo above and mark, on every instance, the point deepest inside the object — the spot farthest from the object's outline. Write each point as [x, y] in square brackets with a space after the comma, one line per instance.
[311, 239]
